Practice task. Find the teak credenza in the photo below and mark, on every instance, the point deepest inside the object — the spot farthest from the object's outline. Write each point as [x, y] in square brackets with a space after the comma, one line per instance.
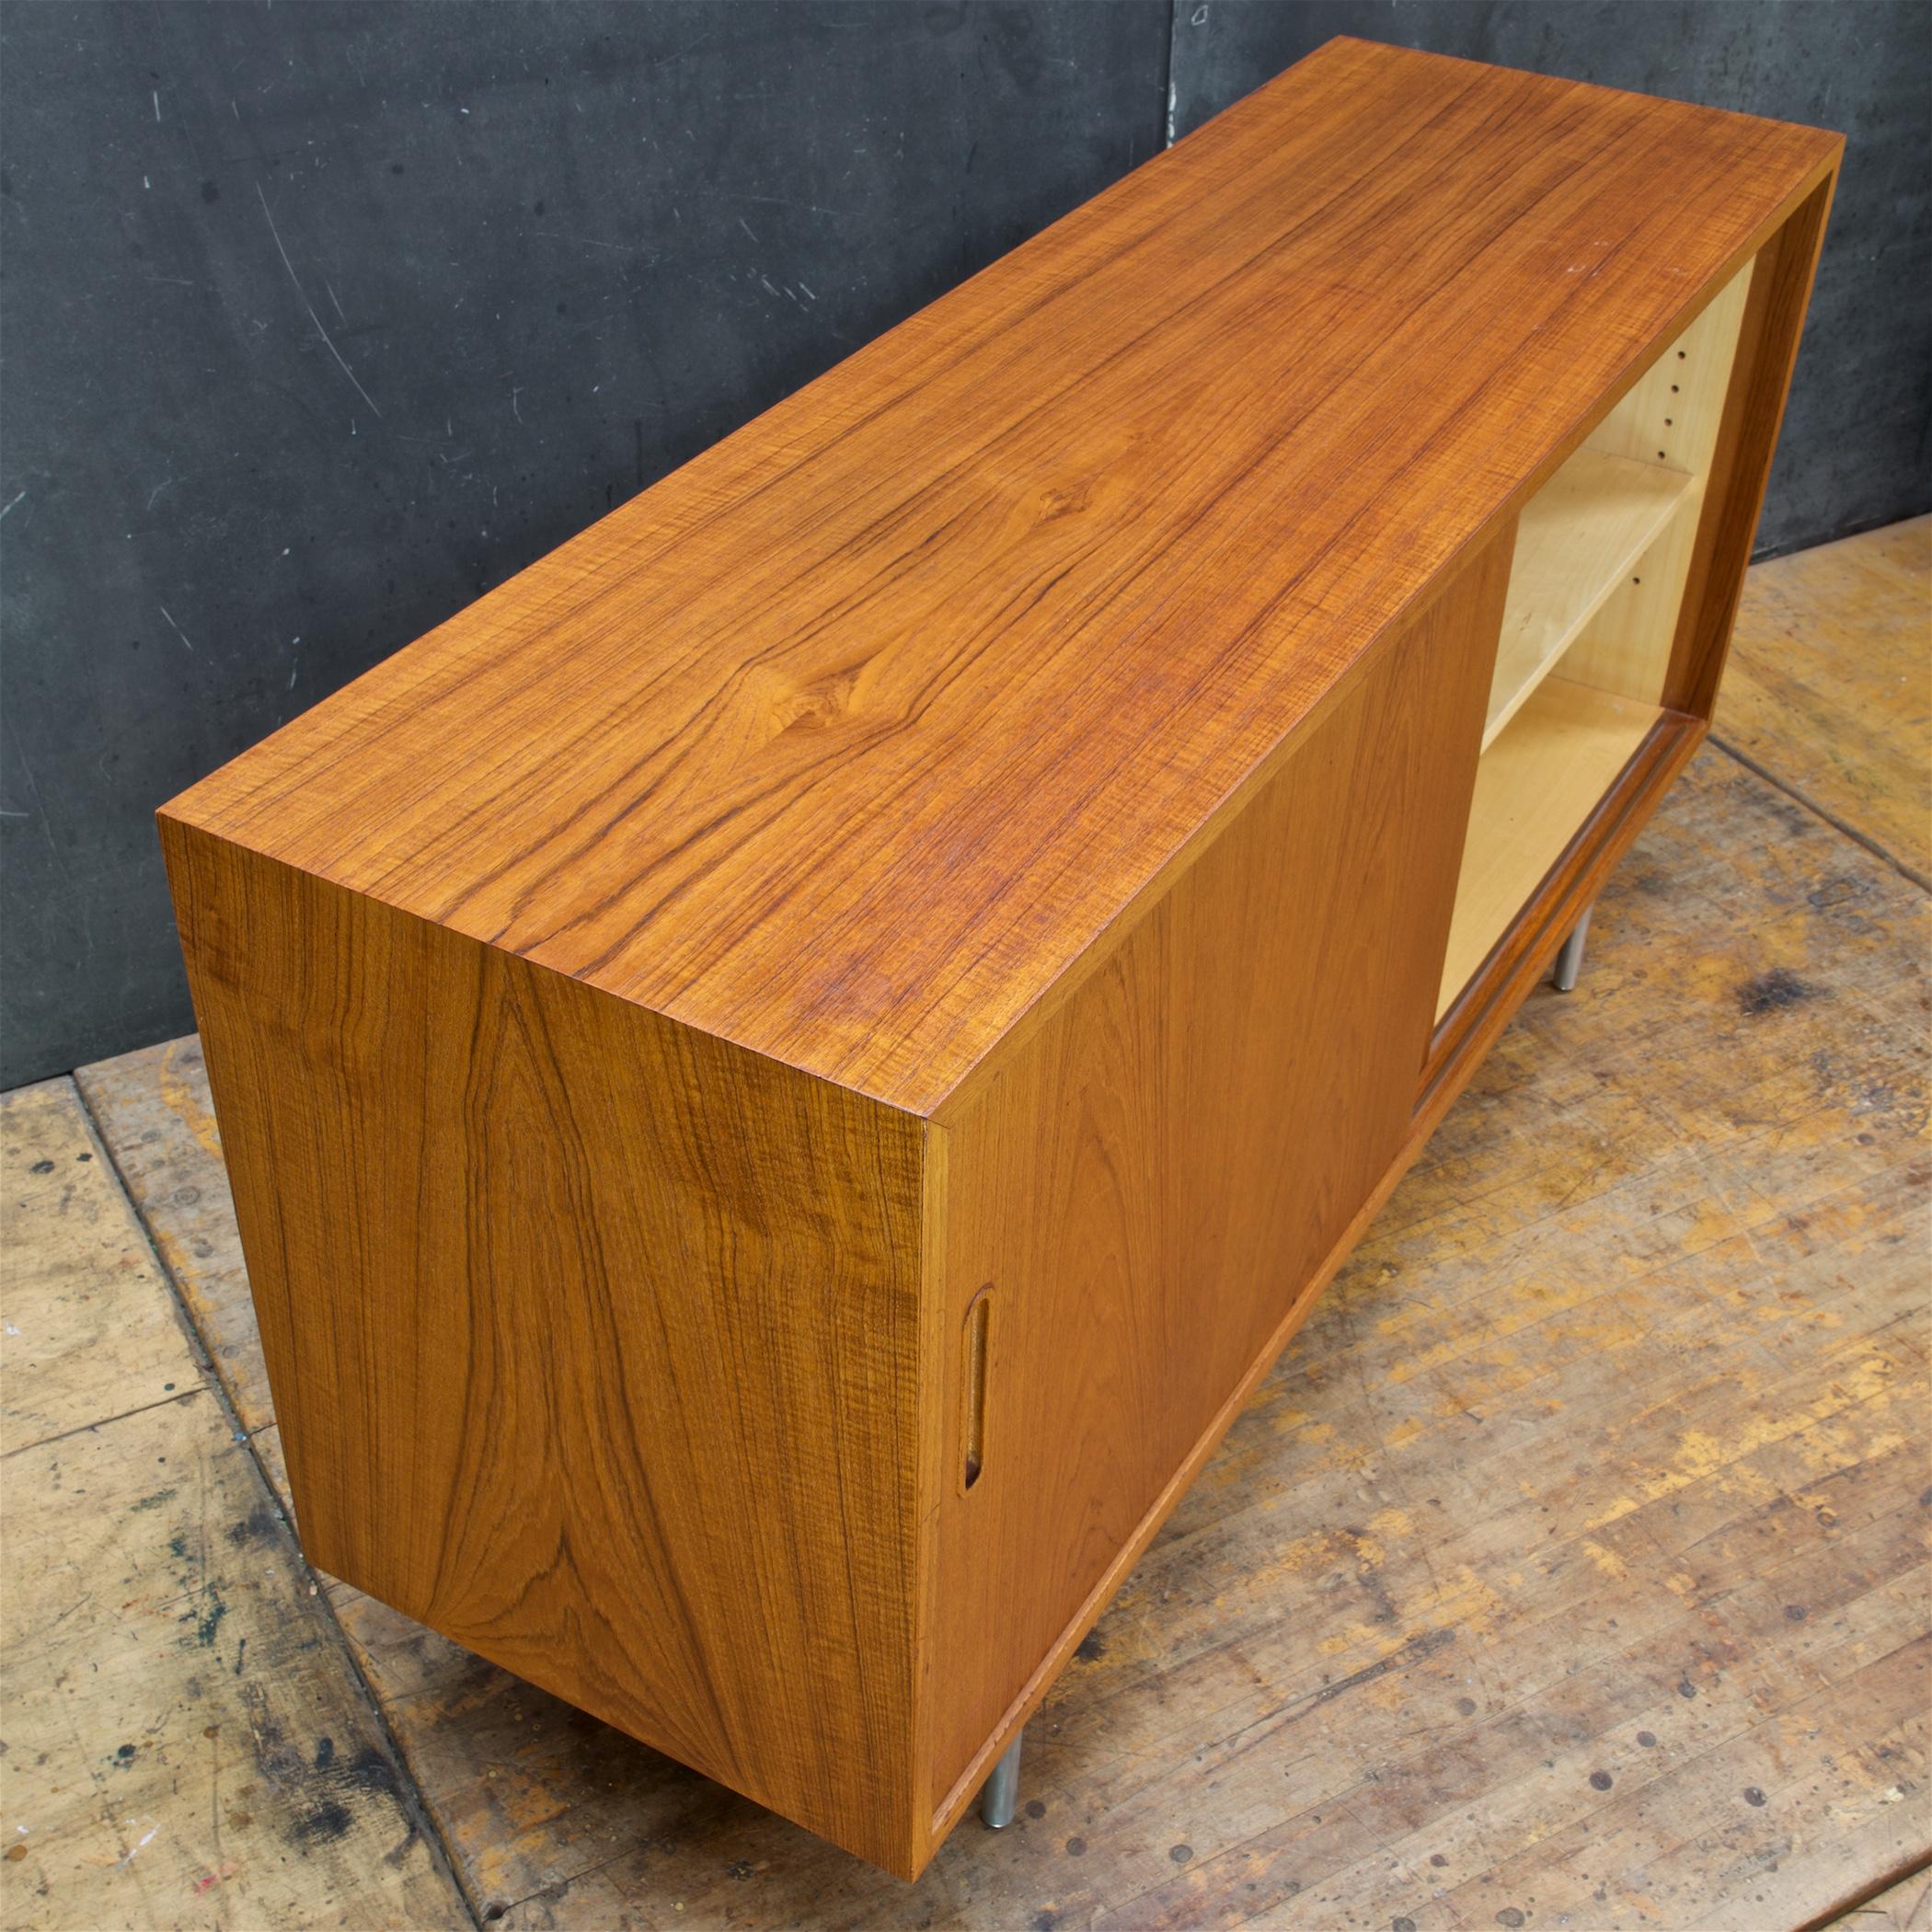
[787, 1072]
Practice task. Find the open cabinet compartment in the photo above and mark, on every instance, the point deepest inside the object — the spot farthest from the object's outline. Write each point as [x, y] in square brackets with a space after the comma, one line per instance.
[1603, 553]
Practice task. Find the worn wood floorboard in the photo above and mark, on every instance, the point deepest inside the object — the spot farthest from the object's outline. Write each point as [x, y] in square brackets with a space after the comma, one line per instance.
[1572, 1569]
[1829, 642]
[186, 1742]
[1903, 1907]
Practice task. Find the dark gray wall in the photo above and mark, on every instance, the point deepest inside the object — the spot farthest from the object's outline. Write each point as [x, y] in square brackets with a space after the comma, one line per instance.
[318, 320]
[1858, 434]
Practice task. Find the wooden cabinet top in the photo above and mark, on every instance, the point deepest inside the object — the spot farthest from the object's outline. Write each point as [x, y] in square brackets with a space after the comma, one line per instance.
[847, 741]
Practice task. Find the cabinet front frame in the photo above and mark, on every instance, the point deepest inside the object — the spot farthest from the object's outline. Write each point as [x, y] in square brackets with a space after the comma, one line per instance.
[1786, 262]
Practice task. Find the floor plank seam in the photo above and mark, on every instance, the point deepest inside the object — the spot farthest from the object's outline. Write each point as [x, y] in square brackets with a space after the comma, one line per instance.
[62, 1435]
[427, 1825]
[558, 1889]
[1918, 1862]
[1819, 812]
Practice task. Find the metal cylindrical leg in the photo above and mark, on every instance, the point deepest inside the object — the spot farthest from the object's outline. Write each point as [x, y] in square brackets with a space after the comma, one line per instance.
[1569, 957]
[1002, 1789]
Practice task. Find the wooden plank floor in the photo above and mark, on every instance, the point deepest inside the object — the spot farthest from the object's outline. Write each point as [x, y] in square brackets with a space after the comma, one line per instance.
[1830, 687]
[1903, 1907]
[1570, 1569]
[187, 1741]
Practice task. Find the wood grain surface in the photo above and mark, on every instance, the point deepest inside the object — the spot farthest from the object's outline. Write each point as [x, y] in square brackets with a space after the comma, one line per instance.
[1903, 1907]
[1518, 962]
[1826, 640]
[981, 840]
[1740, 462]
[593, 1342]
[1385, 1628]
[1150, 1193]
[1578, 541]
[186, 1741]
[1448, 1572]
[647, 1013]
[1543, 778]
[1673, 415]
[843, 742]
[100, 1319]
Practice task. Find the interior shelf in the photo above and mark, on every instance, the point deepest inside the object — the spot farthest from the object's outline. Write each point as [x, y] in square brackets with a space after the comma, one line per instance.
[1539, 780]
[1580, 536]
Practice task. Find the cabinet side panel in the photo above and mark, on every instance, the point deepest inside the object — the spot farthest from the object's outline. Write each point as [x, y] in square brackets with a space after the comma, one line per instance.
[1144, 1191]
[593, 1341]
[1740, 465]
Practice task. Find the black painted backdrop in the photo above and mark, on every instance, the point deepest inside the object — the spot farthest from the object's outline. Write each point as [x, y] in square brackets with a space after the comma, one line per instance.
[319, 319]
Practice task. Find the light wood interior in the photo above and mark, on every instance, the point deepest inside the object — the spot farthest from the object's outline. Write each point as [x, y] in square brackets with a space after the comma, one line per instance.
[1580, 536]
[1671, 417]
[1603, 553]
[1537, 784]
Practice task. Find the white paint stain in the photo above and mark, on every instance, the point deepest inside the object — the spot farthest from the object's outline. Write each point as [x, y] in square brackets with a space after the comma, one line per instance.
[139, 1845]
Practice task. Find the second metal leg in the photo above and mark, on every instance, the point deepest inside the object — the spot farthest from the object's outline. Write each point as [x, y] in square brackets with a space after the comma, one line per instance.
[1569, 957]
[1002, 1788]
